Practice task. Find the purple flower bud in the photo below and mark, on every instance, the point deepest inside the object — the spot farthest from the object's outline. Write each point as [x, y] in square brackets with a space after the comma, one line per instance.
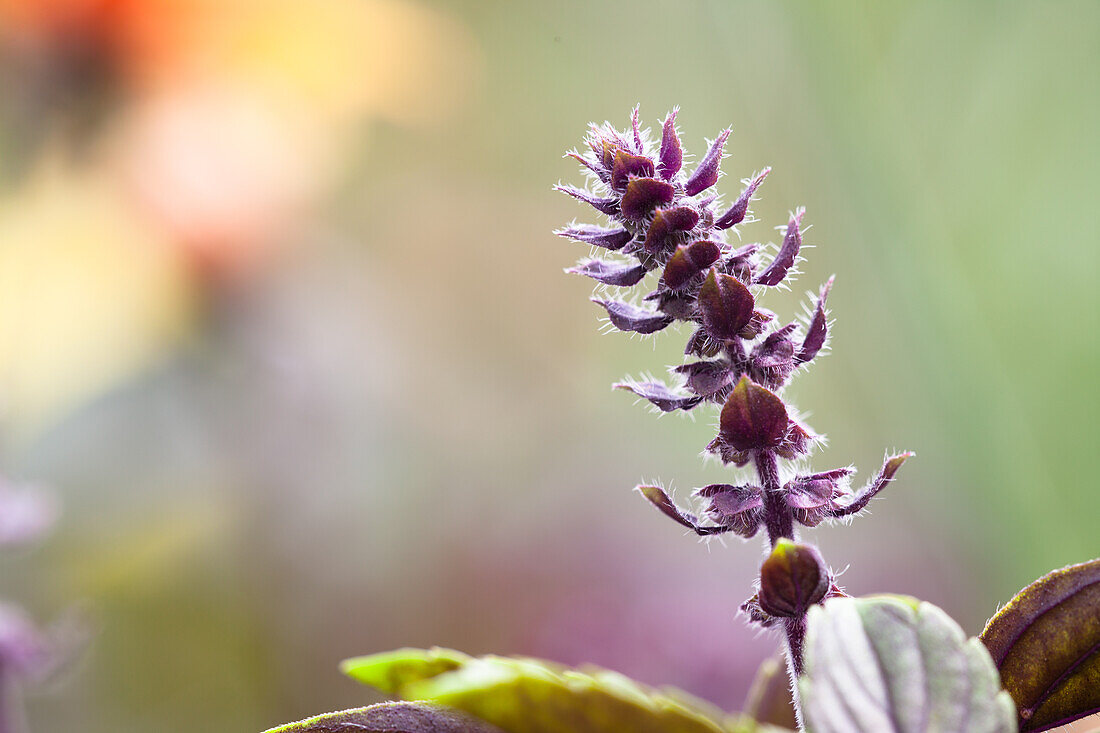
[629, 166]
[753, 418]
[706, 175]
[738, 507]
[672, 157]
[666, 225]
[740, 207]
[613, 239]
[725, 304]
[660, 395]
[610, 273]
[643, 195]
[689, 261]
[783, 261]
[757, 615]
[609, 206]
[818, 331]
[626, 317]
[793, 578]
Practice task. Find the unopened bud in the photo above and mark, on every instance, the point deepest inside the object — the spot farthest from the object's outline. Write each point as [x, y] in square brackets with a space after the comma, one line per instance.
[793, 578]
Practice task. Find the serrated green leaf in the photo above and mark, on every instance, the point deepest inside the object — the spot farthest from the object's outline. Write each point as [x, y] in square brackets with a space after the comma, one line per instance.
[1046, 643]
[521, 695]
[891, 664]
[391, 717]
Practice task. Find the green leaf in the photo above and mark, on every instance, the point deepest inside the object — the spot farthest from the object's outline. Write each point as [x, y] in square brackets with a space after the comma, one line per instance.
[521, 695]
[892, 664]
[1046, 643]
[391, 717]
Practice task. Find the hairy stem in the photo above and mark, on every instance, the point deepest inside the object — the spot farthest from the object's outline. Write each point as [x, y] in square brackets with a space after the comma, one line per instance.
[796, 637]
[779, 522]
[777, 515]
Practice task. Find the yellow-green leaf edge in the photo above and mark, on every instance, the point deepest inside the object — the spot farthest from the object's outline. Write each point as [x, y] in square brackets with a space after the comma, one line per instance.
[526, 695]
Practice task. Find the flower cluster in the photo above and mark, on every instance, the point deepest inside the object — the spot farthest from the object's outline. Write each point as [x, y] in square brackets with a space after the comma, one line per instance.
[739, 354]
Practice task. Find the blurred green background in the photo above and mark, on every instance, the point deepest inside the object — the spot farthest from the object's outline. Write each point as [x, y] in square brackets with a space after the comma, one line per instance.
[283, 323]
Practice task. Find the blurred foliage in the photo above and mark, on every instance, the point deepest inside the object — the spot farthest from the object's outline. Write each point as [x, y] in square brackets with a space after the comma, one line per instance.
[284, 325]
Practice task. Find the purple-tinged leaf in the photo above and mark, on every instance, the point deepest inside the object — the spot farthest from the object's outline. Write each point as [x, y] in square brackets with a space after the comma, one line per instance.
[679, 306]
[813, 498]
[700, 344]
[608, 206]
[756, 614]
[391, 717]
[628, 166]
[689, 261]
[666, 224]
[660, 395]
[805, 494]
[613, 239]
[818, 330]
[656, 496]
[706, 378]
[626, 317]
[671, 156]
[776, 350]
[740, 207]
[610, 273]
[868, 492]
[788, 251]
[891, 664]
[26, 513]
[792, 578]
[738, 507]
[753, 418]
[706, 175]
[645, 194]
[602, 148]
[726, 306]
[602, 173]
[1046, 643]
[772, 360]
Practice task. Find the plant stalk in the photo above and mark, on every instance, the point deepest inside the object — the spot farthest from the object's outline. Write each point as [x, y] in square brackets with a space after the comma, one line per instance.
[779, 522]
